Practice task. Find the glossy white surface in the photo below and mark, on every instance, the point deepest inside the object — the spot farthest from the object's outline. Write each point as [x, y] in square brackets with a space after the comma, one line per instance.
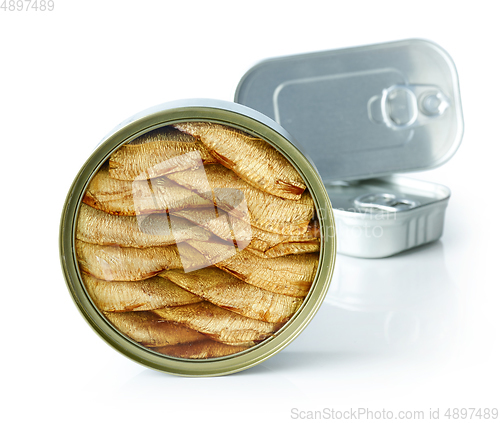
[411, 332]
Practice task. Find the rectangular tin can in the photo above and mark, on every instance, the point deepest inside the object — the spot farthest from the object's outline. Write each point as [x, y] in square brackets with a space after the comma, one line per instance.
[363, 115]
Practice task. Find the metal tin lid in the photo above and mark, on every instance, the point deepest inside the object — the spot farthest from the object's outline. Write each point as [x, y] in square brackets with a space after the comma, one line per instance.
[197, 239]
[363, 112]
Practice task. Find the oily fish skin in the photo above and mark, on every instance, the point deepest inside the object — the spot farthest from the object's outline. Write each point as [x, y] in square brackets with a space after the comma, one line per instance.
[219, 324]
[98, 227]
[169, 337]
[226, 291]
[263, 210]
[191, 258]
[146, 328]
[115, 263]
[252, 159]
[144, 295]
[126, 198]
[201, 349]
[183, 190]
[289, 275]
[166, 150]
[262, 243]
[159, 152]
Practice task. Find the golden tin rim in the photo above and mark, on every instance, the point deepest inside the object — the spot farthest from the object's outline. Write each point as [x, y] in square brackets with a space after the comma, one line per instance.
[247, 120]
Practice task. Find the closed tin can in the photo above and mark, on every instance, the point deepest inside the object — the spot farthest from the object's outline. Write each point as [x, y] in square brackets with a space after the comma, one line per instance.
[198, 239]
[363, 115]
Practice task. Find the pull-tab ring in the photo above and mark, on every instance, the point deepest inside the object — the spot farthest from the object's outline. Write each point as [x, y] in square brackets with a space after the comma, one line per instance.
[395, 99]
[384, 202]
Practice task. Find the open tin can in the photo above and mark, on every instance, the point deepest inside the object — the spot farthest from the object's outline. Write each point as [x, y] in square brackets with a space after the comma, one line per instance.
[198, 239]
[364, 114]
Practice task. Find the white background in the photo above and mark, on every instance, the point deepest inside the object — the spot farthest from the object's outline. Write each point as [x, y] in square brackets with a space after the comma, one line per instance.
[411, 332]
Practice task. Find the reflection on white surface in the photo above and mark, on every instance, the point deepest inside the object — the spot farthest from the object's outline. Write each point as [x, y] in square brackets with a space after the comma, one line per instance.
[405, 302]
[384, 322]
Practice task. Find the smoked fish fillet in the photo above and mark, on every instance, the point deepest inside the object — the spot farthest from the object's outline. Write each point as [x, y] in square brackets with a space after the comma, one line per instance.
[287, 248]
[262, 243]
[200, 349]
[253, 159]
[228, 292]
[98, 227]
[215, 250]
[143, 295]
[222, 224]
[263, 240]
[114, 263]
[238, 198]
[126, 198]
[219, 324]
[151, 331]
[288, 275]
[157, 153]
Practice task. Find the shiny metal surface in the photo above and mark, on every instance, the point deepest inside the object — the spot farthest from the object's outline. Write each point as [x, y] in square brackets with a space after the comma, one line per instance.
[385, 216]
[384, 202]
[363, 112]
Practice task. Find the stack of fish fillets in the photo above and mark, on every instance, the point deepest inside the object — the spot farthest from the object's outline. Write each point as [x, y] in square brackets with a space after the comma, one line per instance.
[197, 240]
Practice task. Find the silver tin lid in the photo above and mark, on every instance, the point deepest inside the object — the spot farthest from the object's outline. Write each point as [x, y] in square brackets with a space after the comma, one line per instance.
[363, 112]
